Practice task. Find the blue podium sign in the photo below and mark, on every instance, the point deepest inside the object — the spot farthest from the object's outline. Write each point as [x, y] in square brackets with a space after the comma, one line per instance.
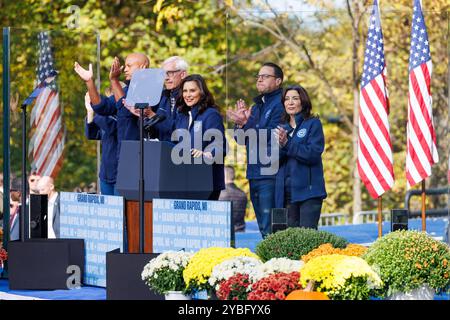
[97, 219]
[191, 224]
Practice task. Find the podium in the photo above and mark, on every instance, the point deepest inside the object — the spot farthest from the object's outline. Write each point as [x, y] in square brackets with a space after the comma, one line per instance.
[163, 179]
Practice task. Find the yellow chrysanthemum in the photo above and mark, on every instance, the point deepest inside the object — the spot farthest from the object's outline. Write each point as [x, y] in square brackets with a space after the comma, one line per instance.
[202, 263]
[332, 271]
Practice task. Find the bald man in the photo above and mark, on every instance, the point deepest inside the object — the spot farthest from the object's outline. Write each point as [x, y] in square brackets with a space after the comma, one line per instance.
[127, 121]
[46, 186]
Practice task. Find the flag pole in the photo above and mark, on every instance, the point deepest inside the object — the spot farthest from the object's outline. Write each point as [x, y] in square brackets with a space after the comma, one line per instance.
[424, 226]
[380, 217]
[99, 155]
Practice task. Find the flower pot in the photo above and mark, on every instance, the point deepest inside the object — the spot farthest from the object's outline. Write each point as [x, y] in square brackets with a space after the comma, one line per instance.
[424, 292]
[177, 295]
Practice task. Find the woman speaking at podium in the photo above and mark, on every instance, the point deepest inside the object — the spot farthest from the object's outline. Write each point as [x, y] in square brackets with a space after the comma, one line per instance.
[198, 112]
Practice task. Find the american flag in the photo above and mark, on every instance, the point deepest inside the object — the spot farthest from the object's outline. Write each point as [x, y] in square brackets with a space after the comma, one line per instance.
[421, 137]
[47, 141]
[375, 165]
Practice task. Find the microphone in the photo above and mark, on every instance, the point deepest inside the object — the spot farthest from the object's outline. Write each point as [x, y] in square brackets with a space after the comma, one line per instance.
[149, 123]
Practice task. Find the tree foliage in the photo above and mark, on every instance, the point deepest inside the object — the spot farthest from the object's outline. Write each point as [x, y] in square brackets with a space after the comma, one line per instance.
[227, 44]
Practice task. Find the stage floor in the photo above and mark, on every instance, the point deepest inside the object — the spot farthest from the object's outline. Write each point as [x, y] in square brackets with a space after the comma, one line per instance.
[359, 233]
[84, 293]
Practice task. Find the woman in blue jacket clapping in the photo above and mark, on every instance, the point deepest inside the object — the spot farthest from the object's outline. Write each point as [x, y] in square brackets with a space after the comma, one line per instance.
[198, 114]
[300, 184]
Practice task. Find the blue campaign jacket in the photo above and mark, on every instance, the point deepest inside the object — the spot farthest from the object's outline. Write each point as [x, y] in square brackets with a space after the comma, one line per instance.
[127, 123]
[265, 114]
[165, 127]
[301, 158]
[104, 128]
[210, 119]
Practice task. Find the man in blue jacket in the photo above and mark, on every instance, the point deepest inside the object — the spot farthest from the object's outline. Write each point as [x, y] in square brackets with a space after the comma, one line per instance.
[127, 119]
[264, 115]
[176, 70]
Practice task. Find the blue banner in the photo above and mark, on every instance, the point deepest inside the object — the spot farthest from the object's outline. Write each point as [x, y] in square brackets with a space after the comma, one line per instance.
[191, 224]
[97, 219]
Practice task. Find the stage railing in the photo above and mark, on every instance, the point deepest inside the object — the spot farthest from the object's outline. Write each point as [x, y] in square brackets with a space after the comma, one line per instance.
[436, 212]
[370, 216]
[333, 219]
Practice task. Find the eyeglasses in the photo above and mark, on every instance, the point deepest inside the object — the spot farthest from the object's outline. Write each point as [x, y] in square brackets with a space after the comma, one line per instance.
[171, 73]
[294, 98]
[264, 76]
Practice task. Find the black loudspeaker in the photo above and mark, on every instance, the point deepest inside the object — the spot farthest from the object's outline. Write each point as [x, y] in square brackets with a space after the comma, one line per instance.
[44, 264]
[279, 219]
[123, 276]
[399, 219]
[38, 216]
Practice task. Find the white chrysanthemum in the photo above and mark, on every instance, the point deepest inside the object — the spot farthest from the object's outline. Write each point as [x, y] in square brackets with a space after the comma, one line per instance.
[275, 265]
[230, 267]
[173, 260]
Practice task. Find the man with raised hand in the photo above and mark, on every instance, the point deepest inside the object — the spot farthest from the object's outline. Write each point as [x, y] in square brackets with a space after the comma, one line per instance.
[127, 119]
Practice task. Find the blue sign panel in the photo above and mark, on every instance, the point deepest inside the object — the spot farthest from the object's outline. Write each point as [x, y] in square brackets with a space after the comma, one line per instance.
[191, 224]
[98, 220]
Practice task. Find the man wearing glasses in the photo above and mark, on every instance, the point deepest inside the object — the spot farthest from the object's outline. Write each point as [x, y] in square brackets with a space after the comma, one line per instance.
[264, 115]
[176, 70]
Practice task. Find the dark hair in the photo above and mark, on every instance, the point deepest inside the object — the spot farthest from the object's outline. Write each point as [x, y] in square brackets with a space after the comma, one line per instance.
[206, 99]
[276, 69]
[34, 173]
[305, 102]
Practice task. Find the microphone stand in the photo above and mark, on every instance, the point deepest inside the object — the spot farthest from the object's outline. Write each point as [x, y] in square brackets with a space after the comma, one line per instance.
[23, 214]
[141, 106]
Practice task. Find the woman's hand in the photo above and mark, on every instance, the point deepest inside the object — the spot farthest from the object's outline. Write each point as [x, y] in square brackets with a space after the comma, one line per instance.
[281, 135]
[198, 153]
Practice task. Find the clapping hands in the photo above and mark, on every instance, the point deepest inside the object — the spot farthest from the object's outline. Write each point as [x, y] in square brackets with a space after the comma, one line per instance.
[241, 115]
[116, 69]
[281, 136]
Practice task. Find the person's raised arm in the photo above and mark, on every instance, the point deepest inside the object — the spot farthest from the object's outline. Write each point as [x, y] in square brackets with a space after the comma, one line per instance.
[115, 72]
[87, 77]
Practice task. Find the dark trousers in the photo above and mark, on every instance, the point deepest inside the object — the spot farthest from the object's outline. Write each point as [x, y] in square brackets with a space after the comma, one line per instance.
[305, 214]
[262, 194]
